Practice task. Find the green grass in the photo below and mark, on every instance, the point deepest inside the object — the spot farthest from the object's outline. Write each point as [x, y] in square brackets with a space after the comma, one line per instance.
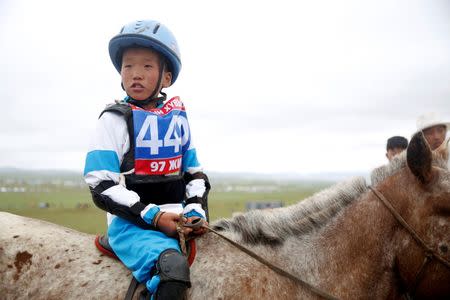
[222, 204]
[90, 220]
[66, 203]
[65, 207]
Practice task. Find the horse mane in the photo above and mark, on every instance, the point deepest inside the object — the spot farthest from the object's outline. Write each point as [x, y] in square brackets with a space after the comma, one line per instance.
[273, 226]
[381, 173]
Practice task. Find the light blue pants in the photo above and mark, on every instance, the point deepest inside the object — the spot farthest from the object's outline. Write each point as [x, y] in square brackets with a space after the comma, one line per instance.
[139, 249]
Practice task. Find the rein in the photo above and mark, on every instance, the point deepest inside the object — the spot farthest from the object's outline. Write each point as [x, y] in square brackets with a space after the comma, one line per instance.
[273, 267]
[429, 253]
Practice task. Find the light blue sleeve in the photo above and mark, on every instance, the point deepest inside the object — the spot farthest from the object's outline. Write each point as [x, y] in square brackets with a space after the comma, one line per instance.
[190, 160]
[194, 213]
[102, 160]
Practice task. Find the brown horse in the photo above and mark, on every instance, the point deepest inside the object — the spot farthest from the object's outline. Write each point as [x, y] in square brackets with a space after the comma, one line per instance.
[343, 240]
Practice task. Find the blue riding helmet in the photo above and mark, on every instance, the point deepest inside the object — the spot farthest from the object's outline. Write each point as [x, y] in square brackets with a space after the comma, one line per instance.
[147, 34]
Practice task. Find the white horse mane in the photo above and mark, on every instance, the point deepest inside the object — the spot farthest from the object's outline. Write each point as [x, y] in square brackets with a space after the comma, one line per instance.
[272, 226]
[383, 172]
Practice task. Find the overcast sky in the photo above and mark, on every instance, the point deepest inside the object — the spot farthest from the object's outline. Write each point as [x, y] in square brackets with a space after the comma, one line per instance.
[269, 86]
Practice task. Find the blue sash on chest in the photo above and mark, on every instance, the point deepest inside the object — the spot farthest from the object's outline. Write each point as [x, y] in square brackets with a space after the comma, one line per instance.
[161, 136]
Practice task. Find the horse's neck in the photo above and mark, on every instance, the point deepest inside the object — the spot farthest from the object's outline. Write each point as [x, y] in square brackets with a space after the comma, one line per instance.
[353, 248]
[356, 249]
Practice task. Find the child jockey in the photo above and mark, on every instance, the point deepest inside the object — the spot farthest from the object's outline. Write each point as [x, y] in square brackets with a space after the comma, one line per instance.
[142, 167]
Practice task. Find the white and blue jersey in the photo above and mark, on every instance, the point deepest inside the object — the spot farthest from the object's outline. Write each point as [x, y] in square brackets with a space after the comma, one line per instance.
[157, 144]
[162, 148]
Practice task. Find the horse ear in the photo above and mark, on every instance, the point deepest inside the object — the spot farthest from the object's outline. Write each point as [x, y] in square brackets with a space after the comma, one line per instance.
[419, 157]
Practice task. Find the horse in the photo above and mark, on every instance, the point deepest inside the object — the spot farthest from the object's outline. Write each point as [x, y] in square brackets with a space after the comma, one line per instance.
[350, 241]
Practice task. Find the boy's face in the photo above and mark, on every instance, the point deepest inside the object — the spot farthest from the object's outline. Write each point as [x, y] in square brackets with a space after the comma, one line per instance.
[140, 73]
[435, 135]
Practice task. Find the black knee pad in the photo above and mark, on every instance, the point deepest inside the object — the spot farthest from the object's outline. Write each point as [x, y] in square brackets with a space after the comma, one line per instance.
[171, 290]
[172, 266]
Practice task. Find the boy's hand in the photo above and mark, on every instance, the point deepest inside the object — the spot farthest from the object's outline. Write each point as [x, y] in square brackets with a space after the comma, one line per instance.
[167, 224]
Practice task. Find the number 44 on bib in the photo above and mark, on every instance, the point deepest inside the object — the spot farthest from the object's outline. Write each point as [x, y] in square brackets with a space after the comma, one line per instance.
[162, 138]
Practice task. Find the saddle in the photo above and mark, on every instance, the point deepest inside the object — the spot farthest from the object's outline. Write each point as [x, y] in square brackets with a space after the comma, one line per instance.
[102, 244]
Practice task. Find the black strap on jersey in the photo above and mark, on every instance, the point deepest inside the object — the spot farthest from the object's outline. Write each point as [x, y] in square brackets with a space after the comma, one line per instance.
[132, 214]
[125, 110]
[104, 185]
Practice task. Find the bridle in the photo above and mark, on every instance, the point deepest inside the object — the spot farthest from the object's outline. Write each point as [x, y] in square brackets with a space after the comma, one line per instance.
[429, 253]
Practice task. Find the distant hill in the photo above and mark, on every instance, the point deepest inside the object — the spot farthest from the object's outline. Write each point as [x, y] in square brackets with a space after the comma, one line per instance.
[22, 173]
[13, 178]
[330, 177]
[295, 177]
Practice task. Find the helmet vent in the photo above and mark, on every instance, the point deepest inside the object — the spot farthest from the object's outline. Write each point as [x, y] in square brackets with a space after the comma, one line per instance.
[138, 25]
[156, 28]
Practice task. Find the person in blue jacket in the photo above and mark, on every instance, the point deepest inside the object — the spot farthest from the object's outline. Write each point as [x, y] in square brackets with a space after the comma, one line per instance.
[142, 166]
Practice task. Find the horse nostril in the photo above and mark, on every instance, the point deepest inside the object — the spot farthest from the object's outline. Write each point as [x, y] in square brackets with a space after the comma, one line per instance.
[443, 248]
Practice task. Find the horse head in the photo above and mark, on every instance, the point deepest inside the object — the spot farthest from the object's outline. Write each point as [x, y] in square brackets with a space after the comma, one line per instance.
[421, 195]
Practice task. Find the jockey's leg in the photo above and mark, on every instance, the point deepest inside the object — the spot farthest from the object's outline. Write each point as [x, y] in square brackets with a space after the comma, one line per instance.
[173, 272]
[142, 250]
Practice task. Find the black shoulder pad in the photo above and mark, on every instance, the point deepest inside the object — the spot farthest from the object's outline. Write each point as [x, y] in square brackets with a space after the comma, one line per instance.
[120, 108]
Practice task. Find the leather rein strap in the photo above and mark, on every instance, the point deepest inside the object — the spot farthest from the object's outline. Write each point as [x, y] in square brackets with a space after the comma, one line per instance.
[429, 253]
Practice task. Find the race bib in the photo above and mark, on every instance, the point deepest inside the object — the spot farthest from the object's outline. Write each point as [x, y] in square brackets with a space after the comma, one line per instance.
[161, 137]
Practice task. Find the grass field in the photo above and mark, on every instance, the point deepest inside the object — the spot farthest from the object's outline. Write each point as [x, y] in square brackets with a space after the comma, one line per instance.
[69, 201]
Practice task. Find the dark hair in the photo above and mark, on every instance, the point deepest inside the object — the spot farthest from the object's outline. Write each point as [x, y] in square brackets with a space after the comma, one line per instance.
[397, 142]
